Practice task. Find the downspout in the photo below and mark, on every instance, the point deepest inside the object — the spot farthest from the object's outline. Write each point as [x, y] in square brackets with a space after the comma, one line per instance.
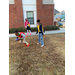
[36, 12]
[53, 14]
[22, 8]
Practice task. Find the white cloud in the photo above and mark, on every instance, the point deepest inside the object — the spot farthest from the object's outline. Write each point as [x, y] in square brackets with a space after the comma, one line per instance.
[59, 5]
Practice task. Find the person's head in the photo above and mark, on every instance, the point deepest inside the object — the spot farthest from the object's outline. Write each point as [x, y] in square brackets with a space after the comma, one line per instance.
[38, 21]
[16, 33]
[26, 19]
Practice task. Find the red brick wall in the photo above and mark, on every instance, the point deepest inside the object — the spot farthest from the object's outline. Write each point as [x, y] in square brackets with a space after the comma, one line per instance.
[45, 13]
[16, 14]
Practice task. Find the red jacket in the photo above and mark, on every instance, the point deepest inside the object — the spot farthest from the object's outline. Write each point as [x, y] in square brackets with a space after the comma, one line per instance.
[20, 34]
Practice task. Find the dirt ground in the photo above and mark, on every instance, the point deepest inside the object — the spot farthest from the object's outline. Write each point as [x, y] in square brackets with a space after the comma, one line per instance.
[34, 60]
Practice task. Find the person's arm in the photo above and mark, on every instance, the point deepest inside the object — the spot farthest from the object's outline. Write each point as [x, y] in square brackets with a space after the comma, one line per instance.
[37, 31]
[41, 29]
[21, 36]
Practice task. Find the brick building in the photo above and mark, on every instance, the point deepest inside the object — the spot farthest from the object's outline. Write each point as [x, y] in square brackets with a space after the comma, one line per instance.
[31, 9]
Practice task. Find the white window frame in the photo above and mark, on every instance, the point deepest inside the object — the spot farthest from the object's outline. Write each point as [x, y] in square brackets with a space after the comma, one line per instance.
[47, 3]
[11, 2]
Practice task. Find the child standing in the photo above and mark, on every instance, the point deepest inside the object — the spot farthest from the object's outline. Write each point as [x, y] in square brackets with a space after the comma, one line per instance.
[40, 33]
[22, 36]
[27, 25]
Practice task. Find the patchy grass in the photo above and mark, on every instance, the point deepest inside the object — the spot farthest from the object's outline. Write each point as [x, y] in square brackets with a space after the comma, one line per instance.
[34, 60]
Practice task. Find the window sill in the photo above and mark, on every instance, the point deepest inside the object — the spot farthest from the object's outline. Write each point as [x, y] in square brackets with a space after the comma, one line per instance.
[49, 4]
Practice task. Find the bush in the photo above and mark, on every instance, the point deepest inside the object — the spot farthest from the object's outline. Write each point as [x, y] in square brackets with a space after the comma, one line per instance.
[48, 27]
[9, 30]
[51, 27]
[21, 29]
[12, 30]
[34, 29]
[55, 27]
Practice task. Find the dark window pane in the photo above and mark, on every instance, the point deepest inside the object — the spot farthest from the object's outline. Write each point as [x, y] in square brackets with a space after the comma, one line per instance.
[30, 17]
[31, 20]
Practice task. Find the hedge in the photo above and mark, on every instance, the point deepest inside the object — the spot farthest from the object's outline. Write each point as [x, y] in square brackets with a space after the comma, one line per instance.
[12, 30]
[22, 29]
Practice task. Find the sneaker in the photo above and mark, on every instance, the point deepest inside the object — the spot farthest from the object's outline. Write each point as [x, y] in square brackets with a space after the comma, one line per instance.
[24, 44]
[38, 43]
[30, 33]
[28, 45]
[42, 45]
[27, 33]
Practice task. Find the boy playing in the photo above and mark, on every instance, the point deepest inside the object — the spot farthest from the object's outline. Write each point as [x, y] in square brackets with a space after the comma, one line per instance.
[40, 33]
[22, 36]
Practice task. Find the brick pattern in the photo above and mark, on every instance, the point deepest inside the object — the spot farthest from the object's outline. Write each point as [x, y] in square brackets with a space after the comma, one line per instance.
[16, 14]
[45, 13]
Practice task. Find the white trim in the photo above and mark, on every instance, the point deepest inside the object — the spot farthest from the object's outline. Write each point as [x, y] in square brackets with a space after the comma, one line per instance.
[36, 11]
[33, 26]
[11, 2]
[29, 4]
[48, 2]
[53, 16]
[22, 9]
[30, 10]
[30, 7]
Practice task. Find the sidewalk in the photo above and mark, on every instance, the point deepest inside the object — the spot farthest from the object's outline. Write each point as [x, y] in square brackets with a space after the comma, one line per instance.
[62, 30]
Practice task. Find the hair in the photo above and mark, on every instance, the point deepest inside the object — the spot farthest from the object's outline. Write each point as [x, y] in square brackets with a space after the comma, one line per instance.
[38, 20]
[26, 19]
[16, 31]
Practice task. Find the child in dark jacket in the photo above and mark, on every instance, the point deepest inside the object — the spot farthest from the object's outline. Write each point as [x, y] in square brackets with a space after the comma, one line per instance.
[40, 33]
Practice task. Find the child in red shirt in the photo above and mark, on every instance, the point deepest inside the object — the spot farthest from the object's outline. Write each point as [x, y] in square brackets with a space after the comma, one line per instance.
[22, 36]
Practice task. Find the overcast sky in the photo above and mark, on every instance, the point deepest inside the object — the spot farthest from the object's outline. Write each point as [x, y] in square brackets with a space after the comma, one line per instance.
[59, 5]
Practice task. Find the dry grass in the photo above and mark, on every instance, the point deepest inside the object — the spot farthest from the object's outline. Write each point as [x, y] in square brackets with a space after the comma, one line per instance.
[34, 60]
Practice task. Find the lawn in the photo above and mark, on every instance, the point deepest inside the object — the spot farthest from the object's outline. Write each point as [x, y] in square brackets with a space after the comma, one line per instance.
[34, 60]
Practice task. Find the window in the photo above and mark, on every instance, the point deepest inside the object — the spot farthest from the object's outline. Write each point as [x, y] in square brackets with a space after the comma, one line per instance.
[11, 1]
[30, 17]
[48, 1]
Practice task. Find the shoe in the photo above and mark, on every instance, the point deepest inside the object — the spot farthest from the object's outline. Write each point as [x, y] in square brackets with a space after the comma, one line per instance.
[28, 45]
[38, 43]
[30, 33]
[42, 45]
[27, 33]
[24, 44]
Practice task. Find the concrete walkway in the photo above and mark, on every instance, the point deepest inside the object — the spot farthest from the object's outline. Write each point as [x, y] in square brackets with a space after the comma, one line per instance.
[62, 30]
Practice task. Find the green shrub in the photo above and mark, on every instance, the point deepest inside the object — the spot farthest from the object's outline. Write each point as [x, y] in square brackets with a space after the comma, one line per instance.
[51, 27]
[55, 27]
[21, 29]
[12, 30]
[9, 30]
[34, 29]
[48, 27]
